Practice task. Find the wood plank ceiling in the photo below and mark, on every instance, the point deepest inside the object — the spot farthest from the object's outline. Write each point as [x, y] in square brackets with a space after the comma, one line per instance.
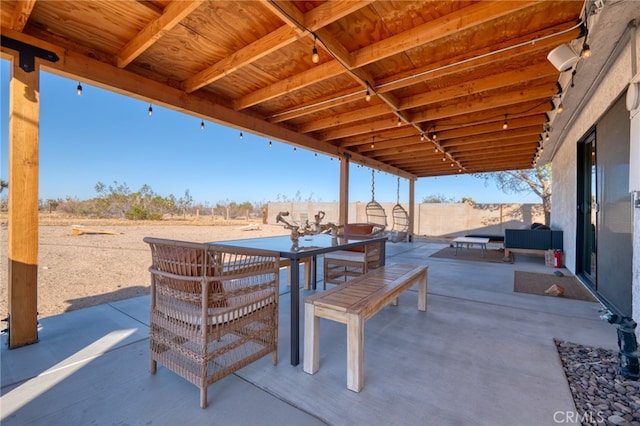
[442, 77]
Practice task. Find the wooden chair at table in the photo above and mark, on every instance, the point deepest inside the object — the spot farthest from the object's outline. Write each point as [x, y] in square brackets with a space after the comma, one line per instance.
[342, 265]
[214, 309]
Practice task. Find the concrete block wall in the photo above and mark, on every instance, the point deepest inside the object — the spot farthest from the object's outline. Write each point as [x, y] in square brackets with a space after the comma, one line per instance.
[431, 219]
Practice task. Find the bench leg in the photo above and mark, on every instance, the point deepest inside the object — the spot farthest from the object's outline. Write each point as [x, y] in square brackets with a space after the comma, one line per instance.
[311, 361]
[355, 352]
[422, 292]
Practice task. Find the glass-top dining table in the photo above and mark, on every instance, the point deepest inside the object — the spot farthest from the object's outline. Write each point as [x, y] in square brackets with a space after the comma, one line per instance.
[307, 246]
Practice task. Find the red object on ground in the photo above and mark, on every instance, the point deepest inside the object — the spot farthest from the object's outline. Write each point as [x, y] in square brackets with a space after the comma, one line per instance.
[557, 259]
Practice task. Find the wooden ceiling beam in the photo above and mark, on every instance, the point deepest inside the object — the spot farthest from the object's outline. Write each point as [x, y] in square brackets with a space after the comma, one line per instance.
[493, 145]
[497, 153]
[296, 82]
[171, 16]
[346, 118]
[21, 14]
[531, 131]
[330, 101]
[494, 115]
[260, 48]
[503, 80]
[465, 18]
[393, 133]
[406, 144]
[514, 123]
[440, 69]
[474, 104]
[493, 54]
[542, 92]
[296, 24]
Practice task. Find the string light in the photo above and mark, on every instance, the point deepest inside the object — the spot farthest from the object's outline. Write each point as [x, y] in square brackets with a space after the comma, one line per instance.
[422, 137]
[367, 96]
[269, 144]
[546, 137]
[399, 122]
[202, 125]
[295, 149]
[241, 136]
[315, 58]
[505, 125]
[150, 110]
[560, 107]
[79, 89]
[444, 158]
[373, 142]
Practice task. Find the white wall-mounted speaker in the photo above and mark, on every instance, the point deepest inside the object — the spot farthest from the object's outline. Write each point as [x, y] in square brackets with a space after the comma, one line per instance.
[563, 57]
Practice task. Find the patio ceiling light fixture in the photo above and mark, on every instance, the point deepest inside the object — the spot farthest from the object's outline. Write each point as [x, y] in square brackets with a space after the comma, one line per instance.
[505, 126]
[202, 125]
[563, 57]
[150, 110]
[241, 136]
[79, 89]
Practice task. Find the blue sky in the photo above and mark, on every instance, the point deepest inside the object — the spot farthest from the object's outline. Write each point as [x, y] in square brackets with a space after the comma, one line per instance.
[105, 137]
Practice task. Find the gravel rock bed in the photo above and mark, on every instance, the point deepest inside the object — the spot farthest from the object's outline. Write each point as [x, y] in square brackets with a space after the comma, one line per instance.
[601, 395]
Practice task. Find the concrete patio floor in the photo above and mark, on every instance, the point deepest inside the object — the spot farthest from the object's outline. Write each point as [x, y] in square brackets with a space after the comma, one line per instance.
[480, 355]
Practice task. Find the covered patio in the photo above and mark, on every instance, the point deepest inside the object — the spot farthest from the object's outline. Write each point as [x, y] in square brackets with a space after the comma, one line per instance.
[481, 354]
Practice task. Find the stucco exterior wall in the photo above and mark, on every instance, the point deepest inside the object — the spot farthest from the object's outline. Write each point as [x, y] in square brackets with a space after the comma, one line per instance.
[564, 161]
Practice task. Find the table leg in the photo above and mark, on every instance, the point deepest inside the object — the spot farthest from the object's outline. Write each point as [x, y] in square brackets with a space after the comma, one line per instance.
[314, 272]
[295, 311]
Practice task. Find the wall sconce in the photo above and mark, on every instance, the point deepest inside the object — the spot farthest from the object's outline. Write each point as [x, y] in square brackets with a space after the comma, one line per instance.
[563, 57]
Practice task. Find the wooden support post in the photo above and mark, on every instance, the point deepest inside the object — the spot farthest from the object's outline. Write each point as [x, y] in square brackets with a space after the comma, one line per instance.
[24, 117]
[343, 216]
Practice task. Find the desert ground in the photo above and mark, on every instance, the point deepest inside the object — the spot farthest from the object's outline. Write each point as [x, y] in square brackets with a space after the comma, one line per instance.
[78, 271]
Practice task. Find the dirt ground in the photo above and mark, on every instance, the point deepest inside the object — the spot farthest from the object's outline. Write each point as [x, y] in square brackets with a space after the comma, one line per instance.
[78, 271]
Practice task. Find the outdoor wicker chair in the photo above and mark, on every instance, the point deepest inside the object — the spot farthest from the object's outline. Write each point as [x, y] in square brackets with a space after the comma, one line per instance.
[342, 265]
[214, 309]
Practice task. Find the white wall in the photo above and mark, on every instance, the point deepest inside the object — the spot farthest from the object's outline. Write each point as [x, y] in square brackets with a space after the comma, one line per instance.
[564, 187]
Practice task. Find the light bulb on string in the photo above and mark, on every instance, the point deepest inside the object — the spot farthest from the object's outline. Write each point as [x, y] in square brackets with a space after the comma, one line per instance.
[399, 122]
[202, 125]
[315, 58]
[505, 125]
[373, 142]
[367, 96]
[295, 149]
[241, 136]
[269, 144]
[79, 89]
[150, 110]
[560, 107]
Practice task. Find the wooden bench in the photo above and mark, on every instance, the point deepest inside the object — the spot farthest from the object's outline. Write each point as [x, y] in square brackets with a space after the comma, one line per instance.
[352, 304]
